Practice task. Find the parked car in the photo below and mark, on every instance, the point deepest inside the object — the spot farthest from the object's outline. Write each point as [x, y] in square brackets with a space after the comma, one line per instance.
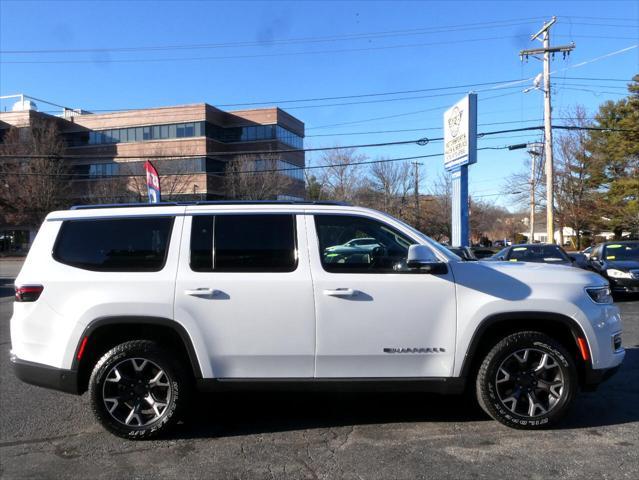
[465, 253]
[355, 245]
[537, 253]
[618, 262]
[587, 251]
[139, 305]
[483, 252]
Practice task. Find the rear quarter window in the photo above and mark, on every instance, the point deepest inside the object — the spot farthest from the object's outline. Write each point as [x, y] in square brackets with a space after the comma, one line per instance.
[114, 244]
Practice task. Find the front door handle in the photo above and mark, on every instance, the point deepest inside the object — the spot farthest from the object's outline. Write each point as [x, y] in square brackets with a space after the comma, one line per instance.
[341, 292]
[201, 292]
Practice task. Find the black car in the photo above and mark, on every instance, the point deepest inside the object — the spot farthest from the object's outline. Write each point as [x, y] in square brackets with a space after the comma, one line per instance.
[483, 252]
[465, 253]
[619, 263]
[538, 253]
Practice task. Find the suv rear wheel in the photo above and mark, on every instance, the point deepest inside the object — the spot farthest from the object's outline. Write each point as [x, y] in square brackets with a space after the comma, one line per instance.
[137, 390]
[527, 380]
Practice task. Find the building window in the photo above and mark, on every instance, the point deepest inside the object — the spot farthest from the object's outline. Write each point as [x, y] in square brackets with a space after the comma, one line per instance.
[194, 129]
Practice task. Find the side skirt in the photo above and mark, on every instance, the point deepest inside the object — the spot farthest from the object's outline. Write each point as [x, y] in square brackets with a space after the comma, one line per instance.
[448, 385]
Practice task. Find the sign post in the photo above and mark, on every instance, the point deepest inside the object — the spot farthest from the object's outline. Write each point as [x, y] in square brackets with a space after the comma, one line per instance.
[460, 150]
[152, 182]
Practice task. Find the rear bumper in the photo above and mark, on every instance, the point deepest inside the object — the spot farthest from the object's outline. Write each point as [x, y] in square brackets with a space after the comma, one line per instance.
[45, 376]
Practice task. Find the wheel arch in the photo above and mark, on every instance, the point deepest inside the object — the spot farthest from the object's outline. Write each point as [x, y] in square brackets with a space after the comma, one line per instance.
[104, 333]
[561, 327]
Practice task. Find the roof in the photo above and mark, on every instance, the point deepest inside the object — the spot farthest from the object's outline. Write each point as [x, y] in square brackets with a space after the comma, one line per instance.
[217, 202]
[208, 207]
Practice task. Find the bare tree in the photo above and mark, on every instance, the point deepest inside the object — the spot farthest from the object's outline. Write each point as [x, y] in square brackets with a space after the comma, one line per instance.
[575, 190]
[518, 186]
[250, 178]
[392, 181]
[315, 187]
[32, 187]
[110, 190]
[437, 212]
[341, 175]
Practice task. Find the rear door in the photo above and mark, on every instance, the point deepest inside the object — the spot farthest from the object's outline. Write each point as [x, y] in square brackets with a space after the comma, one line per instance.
[244, 281]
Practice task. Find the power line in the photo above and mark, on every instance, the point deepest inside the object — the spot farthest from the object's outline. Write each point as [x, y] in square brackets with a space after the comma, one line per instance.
[321, 39]
[598, 79]
[302, 40]
[581, 64]
[403, 114]
[309, 167]
[500, 84]
[246, 56]
[611, 25]
[617, 19]
[422, 142]
[596, 92]
[432, 128]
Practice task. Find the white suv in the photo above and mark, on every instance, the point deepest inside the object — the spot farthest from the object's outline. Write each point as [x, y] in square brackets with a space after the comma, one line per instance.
[141, 304]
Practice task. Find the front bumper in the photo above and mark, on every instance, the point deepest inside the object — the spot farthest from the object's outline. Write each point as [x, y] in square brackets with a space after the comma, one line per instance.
[624, 285]
[45, 375]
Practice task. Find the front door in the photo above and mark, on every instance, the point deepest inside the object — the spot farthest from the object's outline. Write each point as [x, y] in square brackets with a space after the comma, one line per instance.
[375, 317]
[244, 282]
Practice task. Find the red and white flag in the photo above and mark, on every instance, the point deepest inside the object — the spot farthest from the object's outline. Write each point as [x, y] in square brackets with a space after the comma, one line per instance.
[152, 182]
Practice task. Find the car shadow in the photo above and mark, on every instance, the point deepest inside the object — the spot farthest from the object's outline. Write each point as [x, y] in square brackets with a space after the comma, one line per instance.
[250, 413]
[615, 401]
[481, 277]
[625, 297]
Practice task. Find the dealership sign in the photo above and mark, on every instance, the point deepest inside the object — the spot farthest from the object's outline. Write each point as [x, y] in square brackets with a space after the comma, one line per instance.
[460, 133]
[152, 182]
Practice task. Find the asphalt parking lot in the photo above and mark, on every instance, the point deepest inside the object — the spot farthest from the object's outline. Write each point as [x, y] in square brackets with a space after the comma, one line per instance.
[45, 434]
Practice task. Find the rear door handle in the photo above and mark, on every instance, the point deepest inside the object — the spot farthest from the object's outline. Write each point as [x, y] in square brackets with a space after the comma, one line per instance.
[201, 292]
[341, 292]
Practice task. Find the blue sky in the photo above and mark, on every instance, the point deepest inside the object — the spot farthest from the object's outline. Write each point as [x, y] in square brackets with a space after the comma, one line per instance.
[302, 50]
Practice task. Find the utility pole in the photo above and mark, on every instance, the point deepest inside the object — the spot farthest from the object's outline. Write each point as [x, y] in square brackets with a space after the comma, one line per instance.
[533, 152]
[543, 36]
[416, 178]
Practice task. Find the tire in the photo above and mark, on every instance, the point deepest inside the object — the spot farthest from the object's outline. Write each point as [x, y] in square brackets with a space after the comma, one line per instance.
[138, 390]
[527, 390]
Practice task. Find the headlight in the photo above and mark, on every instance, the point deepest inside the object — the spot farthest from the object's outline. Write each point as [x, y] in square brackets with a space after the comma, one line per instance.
[614, 273]
[600, 294]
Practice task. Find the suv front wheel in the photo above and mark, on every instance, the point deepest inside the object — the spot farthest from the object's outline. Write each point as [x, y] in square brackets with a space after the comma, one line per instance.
[527, 380]
[137, 389]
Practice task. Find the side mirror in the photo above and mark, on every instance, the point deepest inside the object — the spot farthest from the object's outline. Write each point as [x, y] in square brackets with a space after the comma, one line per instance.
[421, 259]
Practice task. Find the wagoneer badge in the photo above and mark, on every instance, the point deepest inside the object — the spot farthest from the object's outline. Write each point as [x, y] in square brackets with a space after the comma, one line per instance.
[415, 350]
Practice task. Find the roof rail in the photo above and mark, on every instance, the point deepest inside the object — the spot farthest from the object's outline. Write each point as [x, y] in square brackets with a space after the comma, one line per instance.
[208, 202]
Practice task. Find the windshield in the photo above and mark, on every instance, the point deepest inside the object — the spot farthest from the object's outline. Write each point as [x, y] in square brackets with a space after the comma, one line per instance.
[538, 253]
[364, 241]
[620, 252]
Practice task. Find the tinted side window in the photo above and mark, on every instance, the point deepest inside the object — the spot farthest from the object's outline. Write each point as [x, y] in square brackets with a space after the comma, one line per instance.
[384, 251]
[243, 243]
[115, 245]
[202, 243]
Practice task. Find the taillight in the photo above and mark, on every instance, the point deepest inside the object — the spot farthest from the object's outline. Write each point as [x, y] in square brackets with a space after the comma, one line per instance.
[28, 293]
